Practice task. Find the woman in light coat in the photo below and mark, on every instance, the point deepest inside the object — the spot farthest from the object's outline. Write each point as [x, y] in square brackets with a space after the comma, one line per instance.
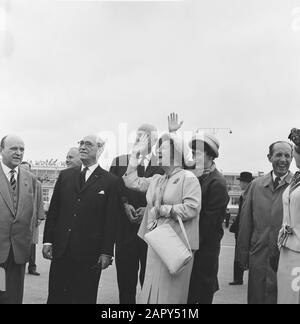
[288, 275]
[175, 194]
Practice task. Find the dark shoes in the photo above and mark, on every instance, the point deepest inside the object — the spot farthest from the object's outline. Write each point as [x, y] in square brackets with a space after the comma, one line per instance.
[33, 273]
[236, 283]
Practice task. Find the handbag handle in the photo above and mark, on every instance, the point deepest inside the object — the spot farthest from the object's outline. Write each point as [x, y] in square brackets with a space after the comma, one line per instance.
[184, 232]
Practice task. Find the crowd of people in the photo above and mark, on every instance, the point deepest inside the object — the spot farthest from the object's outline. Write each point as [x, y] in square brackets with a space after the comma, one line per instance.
[97, 217]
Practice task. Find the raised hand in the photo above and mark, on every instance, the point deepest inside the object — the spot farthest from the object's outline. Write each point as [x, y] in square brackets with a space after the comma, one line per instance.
[173, 123]
[141, 145]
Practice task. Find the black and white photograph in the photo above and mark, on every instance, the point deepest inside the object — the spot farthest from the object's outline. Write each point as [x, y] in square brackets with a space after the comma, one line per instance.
[149, 154]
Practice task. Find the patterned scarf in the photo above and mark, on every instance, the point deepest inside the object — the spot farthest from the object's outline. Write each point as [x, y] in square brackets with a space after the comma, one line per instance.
[295, 182]
[207, 172]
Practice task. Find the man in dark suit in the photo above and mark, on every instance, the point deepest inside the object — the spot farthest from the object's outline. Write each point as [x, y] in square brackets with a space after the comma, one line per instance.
[17, 192]
[238, 271]
[131, 251]
[80, 228]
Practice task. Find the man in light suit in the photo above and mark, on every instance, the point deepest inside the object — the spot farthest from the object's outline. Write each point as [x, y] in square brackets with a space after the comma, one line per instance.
[80, 229]
[260, 222]
[17, 189]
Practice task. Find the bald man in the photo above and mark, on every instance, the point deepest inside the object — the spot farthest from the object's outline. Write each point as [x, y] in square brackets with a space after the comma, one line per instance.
[80, 228]
[73, 158]
[17, 191]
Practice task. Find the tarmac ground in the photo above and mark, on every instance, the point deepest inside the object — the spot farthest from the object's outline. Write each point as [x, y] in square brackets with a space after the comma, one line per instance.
[36, 288]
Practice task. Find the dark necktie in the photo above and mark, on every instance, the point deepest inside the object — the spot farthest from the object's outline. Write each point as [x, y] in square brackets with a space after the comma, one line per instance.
[276, 182]
[12, 180]
[82, 176]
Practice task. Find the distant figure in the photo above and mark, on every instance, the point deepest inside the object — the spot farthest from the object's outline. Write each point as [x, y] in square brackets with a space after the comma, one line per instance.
[73, 158]
[80, 228]
[38, 217]
[238, 272]
[227, 218]
[17, 192]
[289, 237]
[260, 222]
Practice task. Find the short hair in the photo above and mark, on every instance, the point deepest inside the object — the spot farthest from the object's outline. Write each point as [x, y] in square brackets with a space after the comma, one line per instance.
[271, 147]
[2, 144]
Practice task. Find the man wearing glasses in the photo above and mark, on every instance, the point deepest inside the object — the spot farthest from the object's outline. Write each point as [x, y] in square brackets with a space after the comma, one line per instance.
[80, 229]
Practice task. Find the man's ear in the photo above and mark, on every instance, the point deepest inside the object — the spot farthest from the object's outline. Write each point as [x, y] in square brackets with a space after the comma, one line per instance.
[269, 157]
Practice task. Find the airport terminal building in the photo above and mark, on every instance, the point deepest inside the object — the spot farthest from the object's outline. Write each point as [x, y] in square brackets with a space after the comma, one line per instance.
[47, 172]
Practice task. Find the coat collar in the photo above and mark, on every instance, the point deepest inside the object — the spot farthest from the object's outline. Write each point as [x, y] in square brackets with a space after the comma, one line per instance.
[268, 180]
[4, 191]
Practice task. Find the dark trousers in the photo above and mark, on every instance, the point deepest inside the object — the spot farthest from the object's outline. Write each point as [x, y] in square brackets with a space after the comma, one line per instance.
[72, 282]
[32, 259]
[238, 271]
[15, 274]
[204, 279]
[227, 220]
[131, 264]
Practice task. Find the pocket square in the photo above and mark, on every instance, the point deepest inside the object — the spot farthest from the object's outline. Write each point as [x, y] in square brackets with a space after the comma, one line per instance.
[101, 192]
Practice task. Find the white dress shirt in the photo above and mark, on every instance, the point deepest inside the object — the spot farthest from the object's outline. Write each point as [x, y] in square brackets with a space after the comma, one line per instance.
[274, 176]
[90, 170]
[146, 160]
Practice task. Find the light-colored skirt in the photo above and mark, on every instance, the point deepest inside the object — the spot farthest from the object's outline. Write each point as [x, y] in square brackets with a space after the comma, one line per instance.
[160, 287]
[288, 277]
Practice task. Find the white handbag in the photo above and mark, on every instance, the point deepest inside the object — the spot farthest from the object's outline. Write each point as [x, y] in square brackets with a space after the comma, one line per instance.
[169, 247]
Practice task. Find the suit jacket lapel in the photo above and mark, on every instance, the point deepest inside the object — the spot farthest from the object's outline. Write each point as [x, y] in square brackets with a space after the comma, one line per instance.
[93, 177]
[23, 183]
[4, 191]
[77, 172]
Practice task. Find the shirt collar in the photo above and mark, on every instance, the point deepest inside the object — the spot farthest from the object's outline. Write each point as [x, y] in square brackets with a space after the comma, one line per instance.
[281, 178]
[91, 168]
[7, 170]
[145, 157]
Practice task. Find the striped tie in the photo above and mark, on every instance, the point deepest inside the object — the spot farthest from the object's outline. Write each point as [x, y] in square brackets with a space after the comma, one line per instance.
[13, 181]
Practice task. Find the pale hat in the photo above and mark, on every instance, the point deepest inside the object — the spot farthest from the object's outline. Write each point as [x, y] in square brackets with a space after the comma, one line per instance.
[207, 138]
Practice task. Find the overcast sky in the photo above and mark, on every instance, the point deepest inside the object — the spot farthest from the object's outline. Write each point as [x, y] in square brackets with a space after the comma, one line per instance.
[71, 68]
